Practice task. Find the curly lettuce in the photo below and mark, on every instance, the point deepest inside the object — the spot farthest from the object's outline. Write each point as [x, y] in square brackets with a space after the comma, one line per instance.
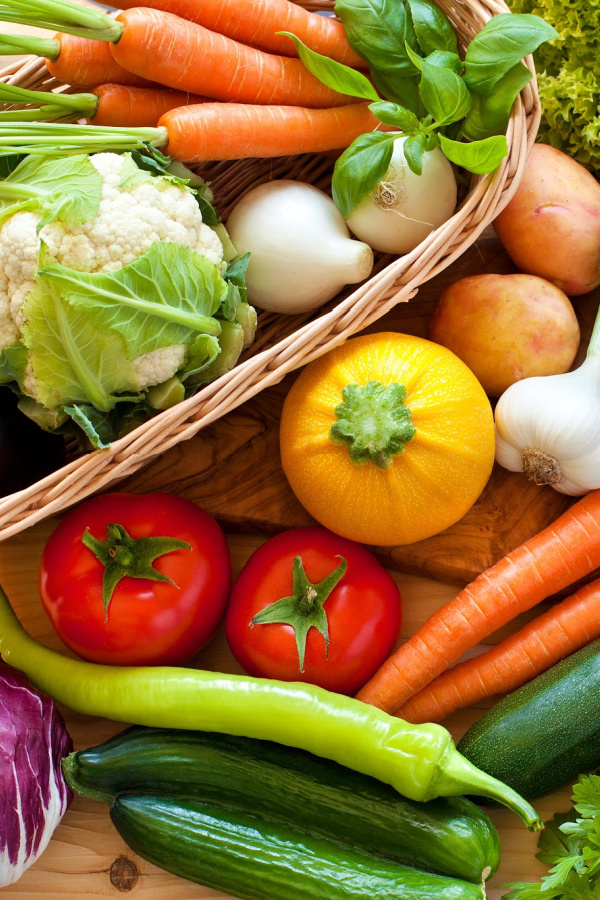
[569, 77]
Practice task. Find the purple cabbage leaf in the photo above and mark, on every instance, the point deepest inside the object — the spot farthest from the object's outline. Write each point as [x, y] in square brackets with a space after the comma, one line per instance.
[33, 793]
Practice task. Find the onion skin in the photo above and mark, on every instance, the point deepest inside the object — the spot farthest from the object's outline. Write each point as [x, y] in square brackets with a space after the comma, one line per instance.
[405, 208]
[301, 252]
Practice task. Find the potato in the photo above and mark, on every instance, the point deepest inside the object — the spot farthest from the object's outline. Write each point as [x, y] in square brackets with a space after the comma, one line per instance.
[551, 227]
[507, 327]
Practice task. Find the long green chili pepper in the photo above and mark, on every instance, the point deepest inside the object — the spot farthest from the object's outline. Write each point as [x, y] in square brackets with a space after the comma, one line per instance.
[419, 761]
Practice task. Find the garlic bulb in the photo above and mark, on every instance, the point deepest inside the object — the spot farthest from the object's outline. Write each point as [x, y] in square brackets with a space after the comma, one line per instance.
[549, 426]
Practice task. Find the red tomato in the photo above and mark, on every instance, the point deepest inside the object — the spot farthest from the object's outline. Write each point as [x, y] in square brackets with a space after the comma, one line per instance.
[361, 614]
[147, 622]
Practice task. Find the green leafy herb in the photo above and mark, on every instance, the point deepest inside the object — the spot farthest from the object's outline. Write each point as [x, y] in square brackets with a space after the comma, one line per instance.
[444, 94]
[570, 845]
[414, 149]
[478, 157]
[360, 168]
[395, 115]
[432, 27]
[378, 30]
[334, 74]
[490, 115]
[499, 46]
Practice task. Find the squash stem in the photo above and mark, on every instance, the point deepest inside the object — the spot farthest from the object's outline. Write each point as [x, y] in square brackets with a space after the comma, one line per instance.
[373, 422]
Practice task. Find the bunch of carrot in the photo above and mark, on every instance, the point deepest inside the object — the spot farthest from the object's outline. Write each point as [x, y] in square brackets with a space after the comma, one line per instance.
[413, 682]
[268, 103]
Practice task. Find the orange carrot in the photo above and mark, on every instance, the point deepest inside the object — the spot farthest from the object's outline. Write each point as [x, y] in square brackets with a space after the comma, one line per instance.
[256, 22]
[123, 105]
[557, 633]
[219, 131]
[182, 55]
[82, 62]
[561, 554]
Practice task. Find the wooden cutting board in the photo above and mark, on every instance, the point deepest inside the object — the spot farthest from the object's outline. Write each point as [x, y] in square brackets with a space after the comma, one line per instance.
[232, 468]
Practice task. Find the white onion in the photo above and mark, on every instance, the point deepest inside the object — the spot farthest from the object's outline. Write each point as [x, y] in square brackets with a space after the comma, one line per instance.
[404, 208]
[301, 252]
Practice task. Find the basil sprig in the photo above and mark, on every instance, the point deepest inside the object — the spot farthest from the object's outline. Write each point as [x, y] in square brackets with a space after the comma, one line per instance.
[433, 97]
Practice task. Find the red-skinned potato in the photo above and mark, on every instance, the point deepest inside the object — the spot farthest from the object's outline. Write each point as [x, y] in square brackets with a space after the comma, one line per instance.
[551, 227]
[506, 327]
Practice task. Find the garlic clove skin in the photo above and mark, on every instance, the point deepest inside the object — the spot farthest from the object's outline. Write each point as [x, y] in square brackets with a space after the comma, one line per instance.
[549, 427]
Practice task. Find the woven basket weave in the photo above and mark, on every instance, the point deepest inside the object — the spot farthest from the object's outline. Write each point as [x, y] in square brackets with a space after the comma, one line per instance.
[284, 343]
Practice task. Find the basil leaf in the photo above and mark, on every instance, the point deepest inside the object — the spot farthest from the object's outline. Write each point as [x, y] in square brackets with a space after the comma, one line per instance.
[500, 45]
[379, 30]
[490, 115]
[444, 94]
[445, 60]
[432, 27]
[479, 157]
[334, 74]
[395, 115]
[414, 149]
[360, 168]
[399, 90]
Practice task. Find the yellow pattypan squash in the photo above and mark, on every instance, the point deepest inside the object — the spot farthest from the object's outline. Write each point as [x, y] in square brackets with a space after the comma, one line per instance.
[387, 439]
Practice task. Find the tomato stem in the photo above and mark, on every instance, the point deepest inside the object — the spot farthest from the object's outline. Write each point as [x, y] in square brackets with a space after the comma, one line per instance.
[304, 609]
[373, 422]
[121, 555]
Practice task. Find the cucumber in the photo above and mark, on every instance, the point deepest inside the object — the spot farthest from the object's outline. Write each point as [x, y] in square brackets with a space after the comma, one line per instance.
[451, 836]
[254, 859]
[545, 733]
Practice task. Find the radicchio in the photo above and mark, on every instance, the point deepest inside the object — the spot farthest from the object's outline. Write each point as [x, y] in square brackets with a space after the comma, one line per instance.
[33, 792]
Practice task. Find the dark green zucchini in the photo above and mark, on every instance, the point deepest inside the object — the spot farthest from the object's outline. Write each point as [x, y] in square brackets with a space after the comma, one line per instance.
[255, 859]
[451, 836]
[547, 732]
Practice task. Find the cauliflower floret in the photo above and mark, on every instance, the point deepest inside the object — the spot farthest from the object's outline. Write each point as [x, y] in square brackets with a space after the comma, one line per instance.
[127, 224]
[159, 365]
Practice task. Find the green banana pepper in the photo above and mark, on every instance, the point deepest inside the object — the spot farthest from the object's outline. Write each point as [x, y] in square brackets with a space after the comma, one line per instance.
[419, 761]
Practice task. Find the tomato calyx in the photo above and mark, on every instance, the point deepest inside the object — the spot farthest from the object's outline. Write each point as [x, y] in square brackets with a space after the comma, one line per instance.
[304, 609]
[373, 422]
[122, 555]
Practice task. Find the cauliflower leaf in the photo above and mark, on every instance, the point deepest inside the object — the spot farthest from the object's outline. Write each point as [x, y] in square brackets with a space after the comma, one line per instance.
[68, 188]
[83, 331]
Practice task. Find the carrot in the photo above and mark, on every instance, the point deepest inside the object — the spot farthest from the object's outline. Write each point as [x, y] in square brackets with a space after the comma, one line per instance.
[189, 57]
[557, 633]
[124, 105]
[561, 554]
[85, 63]
[77, 61]
[217, 131]
[256, 22]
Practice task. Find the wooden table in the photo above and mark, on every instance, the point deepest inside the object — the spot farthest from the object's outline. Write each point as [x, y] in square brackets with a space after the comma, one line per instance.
[86, 858]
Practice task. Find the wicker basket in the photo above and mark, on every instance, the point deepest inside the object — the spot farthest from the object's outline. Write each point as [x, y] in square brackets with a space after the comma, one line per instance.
[284, 343]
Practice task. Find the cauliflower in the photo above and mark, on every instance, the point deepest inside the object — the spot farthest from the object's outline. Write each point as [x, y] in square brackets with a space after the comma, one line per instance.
[111, 283]
[128, 222]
